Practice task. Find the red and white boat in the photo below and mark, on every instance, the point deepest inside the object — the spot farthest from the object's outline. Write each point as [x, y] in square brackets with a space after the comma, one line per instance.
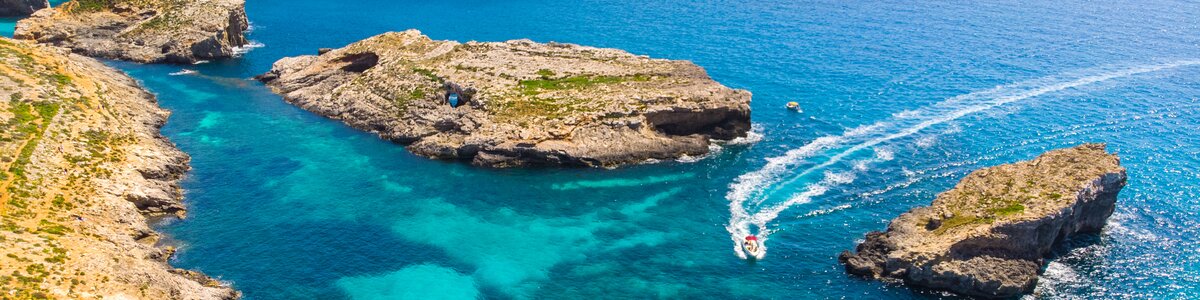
[753, 247]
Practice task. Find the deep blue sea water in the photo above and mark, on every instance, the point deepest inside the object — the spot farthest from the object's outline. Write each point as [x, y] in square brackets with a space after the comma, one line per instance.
[900, 100]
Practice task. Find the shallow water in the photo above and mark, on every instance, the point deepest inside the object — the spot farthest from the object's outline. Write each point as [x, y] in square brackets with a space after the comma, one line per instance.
[901, 100]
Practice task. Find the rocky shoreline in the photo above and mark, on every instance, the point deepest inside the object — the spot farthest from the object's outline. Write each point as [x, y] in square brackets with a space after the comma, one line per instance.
[154, 31]
[84, 165]
[989, 236]
[516, 103]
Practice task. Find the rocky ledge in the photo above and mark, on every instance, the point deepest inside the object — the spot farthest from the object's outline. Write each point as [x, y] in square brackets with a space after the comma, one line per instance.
[82, 167]
[989, 236]
[518, 102]
[147, 31]
[11, 8]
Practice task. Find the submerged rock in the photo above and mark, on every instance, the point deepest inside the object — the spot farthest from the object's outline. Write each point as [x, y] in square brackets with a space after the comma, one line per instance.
[153, 31]
[519, 102]
[989, 236]
[10, 8]
[84, 167]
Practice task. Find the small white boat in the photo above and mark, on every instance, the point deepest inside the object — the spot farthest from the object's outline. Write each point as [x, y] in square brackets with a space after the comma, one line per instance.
[753, 247]
[183, 72]
[794, 106]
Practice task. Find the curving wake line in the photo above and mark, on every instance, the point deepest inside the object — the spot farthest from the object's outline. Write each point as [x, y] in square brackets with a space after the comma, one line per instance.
[753, 190]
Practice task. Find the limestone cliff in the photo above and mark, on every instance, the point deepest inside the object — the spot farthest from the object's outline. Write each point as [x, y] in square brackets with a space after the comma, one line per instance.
[10, 8]
[519, 102]
[988, 237]
[82, 166]
[147, 31]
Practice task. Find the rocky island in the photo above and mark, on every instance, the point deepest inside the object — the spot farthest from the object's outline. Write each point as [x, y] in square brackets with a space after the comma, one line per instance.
[516, 103]
[82, 167]
[10, 8]
[146, 31]
[989, 236]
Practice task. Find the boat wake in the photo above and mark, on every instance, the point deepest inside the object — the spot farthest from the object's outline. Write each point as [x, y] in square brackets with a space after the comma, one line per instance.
[756, 198]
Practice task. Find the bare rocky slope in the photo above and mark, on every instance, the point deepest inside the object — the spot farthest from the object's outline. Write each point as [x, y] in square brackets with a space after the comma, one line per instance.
[82, 167]
[989, 236]
[521, 103]
[10, 8]
[147, 31]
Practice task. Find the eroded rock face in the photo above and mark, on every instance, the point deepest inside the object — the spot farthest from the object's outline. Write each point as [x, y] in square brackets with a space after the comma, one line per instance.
[12, 8]
[153, 31]
[520, 102]
[84, 167]
[989, 236]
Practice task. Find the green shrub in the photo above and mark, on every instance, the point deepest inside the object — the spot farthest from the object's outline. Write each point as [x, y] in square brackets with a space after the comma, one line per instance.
[92, 5]
[534, 87]
[1011, 209]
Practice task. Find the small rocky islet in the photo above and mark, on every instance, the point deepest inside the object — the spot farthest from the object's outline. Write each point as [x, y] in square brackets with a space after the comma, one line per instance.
[519, 103]
[990, 235]
[146, 31]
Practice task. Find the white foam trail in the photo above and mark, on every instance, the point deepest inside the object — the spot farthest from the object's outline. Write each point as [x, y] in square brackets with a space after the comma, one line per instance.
[831, 179]
[885, 154]
[747, 184]
[740, 228]
[975, 108]
[828, 210]
[906, 114]
[753, 185]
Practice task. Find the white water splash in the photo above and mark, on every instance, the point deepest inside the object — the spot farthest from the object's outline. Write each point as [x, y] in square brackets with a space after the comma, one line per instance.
[779, 173]
[753, 136]
[1058, 277]
[240, 50]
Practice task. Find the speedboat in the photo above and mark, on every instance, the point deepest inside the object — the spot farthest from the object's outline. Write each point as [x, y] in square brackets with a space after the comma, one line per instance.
[753, 246]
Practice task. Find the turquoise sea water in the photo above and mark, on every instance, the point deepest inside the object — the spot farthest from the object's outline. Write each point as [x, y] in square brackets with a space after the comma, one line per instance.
[901, 100]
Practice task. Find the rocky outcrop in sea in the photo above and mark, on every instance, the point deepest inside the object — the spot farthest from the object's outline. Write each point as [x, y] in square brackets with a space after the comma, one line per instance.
[82, 168]
[516, 103]
[12, 8]
[152, 31]
[990, 235]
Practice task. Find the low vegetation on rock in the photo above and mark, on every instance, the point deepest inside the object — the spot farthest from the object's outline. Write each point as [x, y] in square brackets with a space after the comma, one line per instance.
[989, 236]
[523, 103]
[82, 165]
